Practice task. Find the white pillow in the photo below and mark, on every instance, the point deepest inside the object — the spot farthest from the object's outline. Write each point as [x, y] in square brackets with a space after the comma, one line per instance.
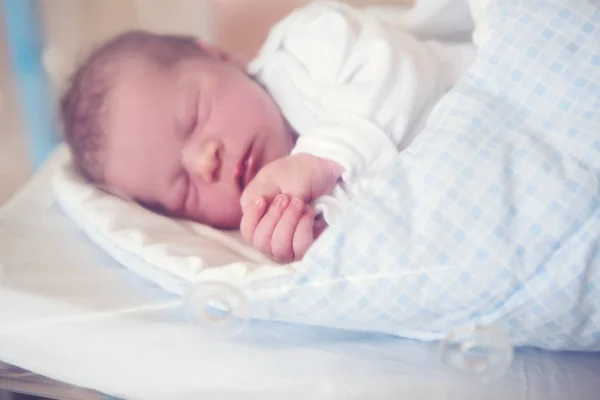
[173, 254]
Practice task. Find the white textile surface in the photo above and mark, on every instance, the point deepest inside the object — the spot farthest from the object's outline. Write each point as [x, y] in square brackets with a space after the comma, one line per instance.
[59, 299]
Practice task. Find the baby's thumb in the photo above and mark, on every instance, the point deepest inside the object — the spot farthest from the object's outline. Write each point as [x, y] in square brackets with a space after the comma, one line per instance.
[256, 189]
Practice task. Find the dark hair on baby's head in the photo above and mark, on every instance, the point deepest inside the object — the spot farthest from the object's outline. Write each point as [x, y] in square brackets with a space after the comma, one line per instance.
[83, 104]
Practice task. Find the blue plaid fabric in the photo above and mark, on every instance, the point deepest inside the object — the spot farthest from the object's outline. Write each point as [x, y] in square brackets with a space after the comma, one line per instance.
[492, 216]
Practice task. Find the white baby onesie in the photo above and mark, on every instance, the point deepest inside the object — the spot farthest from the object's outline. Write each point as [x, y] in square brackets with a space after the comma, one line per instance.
[355, 89]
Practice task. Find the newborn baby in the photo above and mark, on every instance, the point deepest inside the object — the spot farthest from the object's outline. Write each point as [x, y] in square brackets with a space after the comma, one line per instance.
[277, 148]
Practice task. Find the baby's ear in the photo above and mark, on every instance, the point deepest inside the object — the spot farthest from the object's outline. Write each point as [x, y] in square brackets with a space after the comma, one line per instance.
[219, 54]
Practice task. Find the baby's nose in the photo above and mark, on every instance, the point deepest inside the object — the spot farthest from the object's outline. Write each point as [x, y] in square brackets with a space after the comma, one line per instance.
[204, 160]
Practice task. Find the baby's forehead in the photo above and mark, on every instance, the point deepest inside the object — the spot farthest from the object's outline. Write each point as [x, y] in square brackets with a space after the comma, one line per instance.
[138, 79]
[139, 126]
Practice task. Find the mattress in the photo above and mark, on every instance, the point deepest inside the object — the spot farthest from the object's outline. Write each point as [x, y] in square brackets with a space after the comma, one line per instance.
[16, 380]
[71, 313]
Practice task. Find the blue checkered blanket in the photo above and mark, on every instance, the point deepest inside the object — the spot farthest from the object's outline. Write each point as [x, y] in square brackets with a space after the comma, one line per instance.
[492, 216]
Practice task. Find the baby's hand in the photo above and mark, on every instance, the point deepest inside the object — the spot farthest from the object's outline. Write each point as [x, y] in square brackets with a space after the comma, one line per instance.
[282, 229]
[301, 176]
[275, 218]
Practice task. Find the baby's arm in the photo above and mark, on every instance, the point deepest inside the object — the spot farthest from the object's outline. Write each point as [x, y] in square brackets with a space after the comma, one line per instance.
[353, 87]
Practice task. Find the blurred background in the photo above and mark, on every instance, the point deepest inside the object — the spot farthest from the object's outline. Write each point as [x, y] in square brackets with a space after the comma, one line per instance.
[68, 29]
[14, 167]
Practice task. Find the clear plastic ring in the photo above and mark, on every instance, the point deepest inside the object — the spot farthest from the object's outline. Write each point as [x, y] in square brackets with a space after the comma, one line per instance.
[219, 306]
[481, 351]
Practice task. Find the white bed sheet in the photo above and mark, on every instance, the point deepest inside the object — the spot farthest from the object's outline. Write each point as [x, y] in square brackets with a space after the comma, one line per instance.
[53, 275]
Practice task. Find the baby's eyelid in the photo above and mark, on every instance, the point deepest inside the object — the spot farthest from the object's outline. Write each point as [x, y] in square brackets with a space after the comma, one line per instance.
[184, 180]
[193, 123]
[189, 118]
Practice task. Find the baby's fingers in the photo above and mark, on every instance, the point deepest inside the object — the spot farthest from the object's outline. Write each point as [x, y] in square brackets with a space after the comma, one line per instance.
[263, 233]
[303, 237]
[251, 218]
[283, 235]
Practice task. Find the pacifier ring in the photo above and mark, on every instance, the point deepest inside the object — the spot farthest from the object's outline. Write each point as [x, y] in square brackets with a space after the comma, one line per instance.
[217, 306]
[481, 351]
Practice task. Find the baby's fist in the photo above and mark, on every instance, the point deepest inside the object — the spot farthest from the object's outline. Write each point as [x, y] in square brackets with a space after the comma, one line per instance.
[276, 219]
[301, 176]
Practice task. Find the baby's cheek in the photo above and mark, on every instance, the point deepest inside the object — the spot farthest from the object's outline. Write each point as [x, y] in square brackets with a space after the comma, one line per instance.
[224, 213]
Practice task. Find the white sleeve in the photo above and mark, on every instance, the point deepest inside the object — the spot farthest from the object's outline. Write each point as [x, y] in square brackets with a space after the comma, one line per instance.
[351, 86]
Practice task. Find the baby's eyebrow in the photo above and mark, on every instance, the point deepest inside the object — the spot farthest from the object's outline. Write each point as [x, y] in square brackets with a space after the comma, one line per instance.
[186, 123]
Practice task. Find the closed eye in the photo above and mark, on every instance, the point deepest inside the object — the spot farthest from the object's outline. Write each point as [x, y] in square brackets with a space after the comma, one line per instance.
[193, 120]
[175, 202]
[184, 190]
[189, 120]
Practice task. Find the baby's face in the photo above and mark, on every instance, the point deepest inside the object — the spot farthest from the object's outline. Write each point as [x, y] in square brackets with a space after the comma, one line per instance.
[187, 141]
